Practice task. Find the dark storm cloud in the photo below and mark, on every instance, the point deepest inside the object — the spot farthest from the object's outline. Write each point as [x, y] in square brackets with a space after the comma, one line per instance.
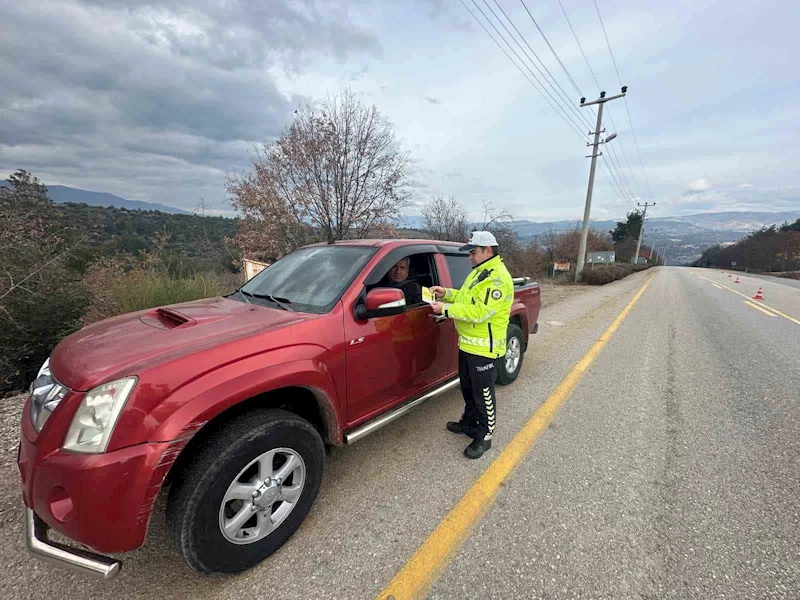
[186, 85]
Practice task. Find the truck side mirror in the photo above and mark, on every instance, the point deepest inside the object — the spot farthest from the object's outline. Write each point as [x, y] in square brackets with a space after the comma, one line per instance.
[382, 302]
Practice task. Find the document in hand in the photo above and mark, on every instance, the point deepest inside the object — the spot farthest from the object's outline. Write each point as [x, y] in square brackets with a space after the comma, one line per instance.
[427, 295]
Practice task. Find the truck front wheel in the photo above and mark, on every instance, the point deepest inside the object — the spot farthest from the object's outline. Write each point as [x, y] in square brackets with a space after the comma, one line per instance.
[246, 492]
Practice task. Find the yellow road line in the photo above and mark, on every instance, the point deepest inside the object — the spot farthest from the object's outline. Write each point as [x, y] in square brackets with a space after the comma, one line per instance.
[417, 576]
[775, 310]
[757, 307]
[716, 286]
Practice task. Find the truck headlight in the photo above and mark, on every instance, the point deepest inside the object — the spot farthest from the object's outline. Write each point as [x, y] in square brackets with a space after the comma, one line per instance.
[97, 415]
[45, 392]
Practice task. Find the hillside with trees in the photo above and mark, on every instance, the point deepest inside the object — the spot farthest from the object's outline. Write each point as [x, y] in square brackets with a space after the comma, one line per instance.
[66, 265]
[196, 242]
[768, 250]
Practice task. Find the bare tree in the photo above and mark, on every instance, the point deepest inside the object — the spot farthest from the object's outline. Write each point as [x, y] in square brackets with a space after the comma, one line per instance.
[446, 219]
[337, 172]
[494, 218]
[549, 243]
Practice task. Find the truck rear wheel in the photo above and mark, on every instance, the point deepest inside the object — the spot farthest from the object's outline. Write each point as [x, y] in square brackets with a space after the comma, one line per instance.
[246, 492]
[509, 366]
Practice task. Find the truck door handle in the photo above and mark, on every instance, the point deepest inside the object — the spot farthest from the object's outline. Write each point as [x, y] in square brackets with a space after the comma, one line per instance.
[438, 318]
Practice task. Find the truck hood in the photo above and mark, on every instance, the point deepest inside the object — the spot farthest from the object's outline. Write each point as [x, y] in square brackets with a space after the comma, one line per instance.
[130, 343]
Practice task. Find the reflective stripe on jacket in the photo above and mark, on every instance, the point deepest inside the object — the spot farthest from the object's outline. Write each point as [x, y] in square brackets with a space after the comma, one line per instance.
[481, 309]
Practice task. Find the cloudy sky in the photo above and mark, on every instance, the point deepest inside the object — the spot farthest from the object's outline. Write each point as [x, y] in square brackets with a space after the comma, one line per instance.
[157, 101]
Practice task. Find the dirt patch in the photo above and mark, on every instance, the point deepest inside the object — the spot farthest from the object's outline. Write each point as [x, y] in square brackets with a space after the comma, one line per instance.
[10, 494]
[556, 292]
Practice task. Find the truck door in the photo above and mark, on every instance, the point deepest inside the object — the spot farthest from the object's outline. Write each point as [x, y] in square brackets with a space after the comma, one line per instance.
[458, 267]
[435, 339]
[390, 359]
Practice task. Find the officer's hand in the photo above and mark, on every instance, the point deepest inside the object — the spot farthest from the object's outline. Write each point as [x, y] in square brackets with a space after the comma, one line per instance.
[438, 291]
[438, 307]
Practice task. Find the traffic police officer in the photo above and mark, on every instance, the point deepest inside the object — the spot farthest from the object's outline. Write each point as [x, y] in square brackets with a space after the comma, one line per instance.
[481, 310]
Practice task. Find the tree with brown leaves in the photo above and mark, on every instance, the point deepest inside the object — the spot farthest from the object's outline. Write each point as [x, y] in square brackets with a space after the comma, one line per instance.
[336, 173]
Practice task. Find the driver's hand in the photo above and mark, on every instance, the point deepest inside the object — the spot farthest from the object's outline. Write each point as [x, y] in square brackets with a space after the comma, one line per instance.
[438, 291]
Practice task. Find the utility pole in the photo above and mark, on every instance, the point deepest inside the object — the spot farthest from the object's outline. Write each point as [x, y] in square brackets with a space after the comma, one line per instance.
[641, 230]
[598, 130]
[656, 239]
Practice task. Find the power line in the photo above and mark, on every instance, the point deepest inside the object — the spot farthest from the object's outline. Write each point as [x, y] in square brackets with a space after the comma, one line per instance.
[613, 60]
[615, 162]
[612, 152]
[551, 47]
[565, 97]
[557, 106]
[630, 121]
[569, 123]
[525, 64]
[609, 175]
[610, 116]
[618, 173]
[554, 98]
[580, 47]
[613, 179]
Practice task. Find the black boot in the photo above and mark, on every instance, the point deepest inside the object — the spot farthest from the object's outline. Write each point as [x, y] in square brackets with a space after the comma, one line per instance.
[477, 448]
[461, 426]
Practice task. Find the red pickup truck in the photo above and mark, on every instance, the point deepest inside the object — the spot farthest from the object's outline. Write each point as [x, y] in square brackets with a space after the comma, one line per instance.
[232, 400]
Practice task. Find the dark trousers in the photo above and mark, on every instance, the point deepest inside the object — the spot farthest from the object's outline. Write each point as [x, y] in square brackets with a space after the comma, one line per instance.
[477, 375]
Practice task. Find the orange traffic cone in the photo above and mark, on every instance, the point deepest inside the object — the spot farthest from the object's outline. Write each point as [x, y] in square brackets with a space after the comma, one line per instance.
[759, 295]
[737, 279]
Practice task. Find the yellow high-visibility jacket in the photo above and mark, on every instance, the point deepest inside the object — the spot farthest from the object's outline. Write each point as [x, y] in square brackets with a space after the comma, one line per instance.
[481, 309]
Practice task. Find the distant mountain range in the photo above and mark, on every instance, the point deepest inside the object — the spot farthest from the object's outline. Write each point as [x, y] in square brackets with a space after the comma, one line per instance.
[741, 222]
[684, 237]
[61, 194]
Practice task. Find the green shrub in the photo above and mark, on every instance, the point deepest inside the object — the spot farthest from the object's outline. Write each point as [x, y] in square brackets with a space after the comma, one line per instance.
[603, 274]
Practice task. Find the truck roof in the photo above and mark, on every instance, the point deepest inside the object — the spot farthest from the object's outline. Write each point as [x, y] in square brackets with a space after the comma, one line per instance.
[390, 242]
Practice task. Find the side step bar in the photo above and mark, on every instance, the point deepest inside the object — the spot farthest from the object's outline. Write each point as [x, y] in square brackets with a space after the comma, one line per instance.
[367, 428]
[75, 559]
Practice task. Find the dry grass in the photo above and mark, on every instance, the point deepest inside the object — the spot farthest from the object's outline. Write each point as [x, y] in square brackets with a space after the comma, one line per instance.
[790, 275]
[603, 274]
[556, 292]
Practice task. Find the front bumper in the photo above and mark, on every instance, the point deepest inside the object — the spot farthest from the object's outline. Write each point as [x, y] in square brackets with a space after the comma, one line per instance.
[103, 501]
[75, 559]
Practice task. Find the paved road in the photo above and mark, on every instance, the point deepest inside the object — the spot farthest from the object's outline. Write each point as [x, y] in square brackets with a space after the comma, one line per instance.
[673, 471]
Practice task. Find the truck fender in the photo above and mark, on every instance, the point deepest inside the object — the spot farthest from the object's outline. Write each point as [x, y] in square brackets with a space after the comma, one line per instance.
[197, 403]
[518, 310]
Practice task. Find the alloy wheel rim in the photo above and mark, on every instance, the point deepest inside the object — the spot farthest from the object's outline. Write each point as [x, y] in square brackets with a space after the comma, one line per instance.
[262, 496]
[513, 353]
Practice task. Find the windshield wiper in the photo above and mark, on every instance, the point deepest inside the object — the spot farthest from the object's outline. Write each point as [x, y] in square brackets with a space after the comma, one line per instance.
[244, 295]
[282, 302]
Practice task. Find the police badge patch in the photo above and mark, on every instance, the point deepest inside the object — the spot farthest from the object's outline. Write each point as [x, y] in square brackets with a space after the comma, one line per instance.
[497, 294]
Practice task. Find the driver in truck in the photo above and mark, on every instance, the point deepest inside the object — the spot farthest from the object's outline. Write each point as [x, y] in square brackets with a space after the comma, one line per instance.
[397, 277]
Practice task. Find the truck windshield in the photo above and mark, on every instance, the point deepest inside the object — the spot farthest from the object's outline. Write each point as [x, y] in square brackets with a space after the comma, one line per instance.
[310, 279]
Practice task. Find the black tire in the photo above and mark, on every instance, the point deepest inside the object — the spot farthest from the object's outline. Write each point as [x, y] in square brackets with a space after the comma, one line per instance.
[504, 376]
[193, 507]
